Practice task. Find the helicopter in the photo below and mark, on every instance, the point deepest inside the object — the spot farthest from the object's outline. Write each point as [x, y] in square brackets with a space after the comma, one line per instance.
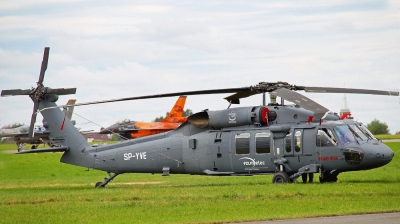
[286, 141]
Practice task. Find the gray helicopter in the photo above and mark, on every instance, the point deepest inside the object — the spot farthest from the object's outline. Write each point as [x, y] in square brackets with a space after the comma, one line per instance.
[286, 141]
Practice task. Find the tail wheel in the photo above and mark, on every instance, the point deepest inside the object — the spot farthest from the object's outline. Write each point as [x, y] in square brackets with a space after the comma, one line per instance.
[98, 184]
[281, 178]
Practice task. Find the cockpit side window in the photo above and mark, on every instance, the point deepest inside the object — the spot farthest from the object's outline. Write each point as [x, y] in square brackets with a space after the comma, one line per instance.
[344, 133]
[325, 138]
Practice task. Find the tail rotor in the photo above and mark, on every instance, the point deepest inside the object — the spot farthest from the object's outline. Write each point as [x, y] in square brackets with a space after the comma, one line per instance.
[38, 93]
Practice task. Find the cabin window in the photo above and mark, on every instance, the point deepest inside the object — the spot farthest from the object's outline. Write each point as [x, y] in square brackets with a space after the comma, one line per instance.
[298, 141]
[325, 138]
[263, 143]
[242, 143]
[288, 143]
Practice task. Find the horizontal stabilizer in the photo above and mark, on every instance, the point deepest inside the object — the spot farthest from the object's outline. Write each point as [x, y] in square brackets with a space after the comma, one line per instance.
[52, 149]
[25, 135]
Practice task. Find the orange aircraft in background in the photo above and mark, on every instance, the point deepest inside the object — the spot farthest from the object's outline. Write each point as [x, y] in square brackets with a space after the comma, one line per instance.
[133, 129]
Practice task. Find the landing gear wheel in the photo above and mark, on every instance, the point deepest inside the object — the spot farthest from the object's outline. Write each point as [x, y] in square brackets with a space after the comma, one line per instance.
[280, 178]
[106, 180]
[98, 184]
[33, 147]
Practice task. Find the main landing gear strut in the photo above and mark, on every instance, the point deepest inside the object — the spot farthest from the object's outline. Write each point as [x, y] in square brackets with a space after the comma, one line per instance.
[20, 145]
[106, 180]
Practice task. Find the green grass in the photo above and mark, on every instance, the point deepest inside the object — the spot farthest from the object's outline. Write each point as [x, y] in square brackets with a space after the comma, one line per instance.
[37, 188]
[384, 137]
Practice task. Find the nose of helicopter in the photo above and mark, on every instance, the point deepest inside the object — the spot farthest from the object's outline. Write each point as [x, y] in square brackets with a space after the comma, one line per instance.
[376, 155]
[109, 130]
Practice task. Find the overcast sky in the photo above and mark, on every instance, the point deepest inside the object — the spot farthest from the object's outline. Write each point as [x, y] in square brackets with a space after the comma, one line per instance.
[115, 49]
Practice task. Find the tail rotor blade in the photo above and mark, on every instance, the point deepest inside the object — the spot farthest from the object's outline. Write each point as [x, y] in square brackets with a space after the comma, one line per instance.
[44, 64]
[13, 92]
[33, 119]
[62, 91]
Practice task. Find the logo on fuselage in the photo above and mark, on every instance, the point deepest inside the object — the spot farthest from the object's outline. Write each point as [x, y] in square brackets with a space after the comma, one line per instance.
[232, 117]
[253, 163]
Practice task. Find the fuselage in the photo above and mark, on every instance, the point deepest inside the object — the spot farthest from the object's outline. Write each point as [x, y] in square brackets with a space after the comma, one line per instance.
[237, 141]
[246, 150]
[14, 128]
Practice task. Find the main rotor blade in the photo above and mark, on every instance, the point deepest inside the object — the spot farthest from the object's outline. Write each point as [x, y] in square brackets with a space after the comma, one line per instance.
[188, 93]
[235, 98]
[349, 90]
[61, 91]
[44, 64]
[33, 118]
[302, 101]
[13, 92]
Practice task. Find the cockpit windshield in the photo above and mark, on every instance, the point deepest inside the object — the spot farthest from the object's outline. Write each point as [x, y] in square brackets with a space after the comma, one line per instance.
[344, 134]
[358, 132]
[123, 121]
[365, 130]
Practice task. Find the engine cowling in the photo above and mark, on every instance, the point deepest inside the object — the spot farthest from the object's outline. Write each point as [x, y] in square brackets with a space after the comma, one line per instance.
[232, 117]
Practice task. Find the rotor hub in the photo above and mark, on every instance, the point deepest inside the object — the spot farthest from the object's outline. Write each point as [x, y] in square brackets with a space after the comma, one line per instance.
[263, 87]
[38, 92]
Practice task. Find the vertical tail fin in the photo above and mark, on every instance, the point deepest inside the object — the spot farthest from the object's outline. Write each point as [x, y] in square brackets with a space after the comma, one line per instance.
[175, 115]
[68, 111]
[64, 133]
